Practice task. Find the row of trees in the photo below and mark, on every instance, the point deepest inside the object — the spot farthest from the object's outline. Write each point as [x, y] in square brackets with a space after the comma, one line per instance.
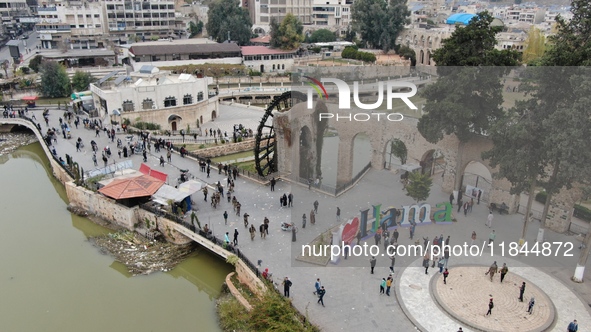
[543, 139]
[56, 83]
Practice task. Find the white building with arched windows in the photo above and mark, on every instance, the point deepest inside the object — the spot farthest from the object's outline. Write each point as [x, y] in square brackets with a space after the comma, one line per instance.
[172, 101]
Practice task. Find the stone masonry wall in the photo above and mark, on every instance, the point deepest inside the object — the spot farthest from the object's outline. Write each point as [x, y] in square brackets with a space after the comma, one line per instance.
[225, 149]
[101, 206]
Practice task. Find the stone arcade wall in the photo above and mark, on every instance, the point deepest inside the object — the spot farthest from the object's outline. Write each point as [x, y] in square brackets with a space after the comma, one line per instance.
[289, 127]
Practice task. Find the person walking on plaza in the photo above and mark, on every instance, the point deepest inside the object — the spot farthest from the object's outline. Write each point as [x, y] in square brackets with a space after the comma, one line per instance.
[205, 194]
[492, 270]
[504, 271]
[573, 326]
[466, 206]
[312, 217]
[304, 220]
[460, 203]
[530, 306]
[246, 215]
[227, 238]
[225, 217]
[273, 181]
[521, 291]
[317, 285]
[338, 214]
[94, 160]
[445, 274]
[426, 260]
[208, 170]
[252, 231]
[392, 262]
[316, 207]
[491, 237]
[383, 286]
[286, 285]
[262, 230]
[162, 161]
[491, 305]
[412, 229]
[395, 235]
[489, 219]
[321, 293]
[451, 198]
[105, 160]
[235, 236]
[145, 155]
[473, 237]
[290, 200]
[169, 157]
[372, 263]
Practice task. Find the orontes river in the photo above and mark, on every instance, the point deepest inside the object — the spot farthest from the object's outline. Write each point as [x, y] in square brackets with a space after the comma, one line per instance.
[53, 279]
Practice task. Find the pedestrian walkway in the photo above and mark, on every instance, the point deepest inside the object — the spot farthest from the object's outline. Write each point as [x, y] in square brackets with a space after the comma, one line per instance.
[352, 294]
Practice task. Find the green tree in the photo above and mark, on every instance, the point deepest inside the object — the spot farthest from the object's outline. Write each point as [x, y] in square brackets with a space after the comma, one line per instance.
[518, 151]
[398, 150]
[350, 34]
[274, 33]
[408, 53]
[35, 62]
[322, 36]
[195, 28]
[535, 45]
[474, 45]
[55, 82]
[81, 80]
[289, 34]
[419, 186]
[380, 22]
[227, 17]
[466, 101]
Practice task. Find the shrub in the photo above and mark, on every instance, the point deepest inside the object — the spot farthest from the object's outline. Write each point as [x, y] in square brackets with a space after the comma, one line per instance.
[582, 213]
[202, 146]
[254, 73]
[316, 49]
[147, 126]
[541, 197]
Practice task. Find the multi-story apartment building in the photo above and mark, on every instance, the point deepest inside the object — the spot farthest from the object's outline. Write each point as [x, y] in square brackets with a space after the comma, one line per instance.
[143, 19]
[334, 15]
[527, 15]
[10, 10]
[87, 25]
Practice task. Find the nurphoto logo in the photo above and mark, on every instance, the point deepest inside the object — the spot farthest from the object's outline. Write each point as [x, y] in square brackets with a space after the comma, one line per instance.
[344, 98]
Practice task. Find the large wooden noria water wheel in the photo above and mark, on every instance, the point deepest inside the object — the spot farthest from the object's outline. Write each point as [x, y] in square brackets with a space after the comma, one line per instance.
[265, 147]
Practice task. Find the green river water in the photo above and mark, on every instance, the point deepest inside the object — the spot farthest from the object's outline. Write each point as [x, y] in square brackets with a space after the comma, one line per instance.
[53, 279]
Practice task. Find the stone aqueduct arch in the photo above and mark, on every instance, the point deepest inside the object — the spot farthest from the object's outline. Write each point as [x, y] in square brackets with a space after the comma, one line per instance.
[380, 133]
[424, 43]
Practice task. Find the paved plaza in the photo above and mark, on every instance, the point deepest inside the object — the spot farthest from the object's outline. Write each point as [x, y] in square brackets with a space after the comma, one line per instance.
[352, 300]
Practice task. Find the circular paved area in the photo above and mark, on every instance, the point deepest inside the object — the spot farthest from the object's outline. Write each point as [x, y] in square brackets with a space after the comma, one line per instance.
[415, 291]
[468, 291]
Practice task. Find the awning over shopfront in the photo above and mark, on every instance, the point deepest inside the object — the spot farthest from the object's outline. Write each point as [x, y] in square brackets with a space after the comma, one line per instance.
[167, 193]
[190, 187]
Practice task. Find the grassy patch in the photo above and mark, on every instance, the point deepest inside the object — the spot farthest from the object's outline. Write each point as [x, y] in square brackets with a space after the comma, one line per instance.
[271, 313]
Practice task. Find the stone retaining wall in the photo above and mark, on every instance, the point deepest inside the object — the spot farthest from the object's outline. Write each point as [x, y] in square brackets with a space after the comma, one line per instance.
[236, 293]
[225, 149]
